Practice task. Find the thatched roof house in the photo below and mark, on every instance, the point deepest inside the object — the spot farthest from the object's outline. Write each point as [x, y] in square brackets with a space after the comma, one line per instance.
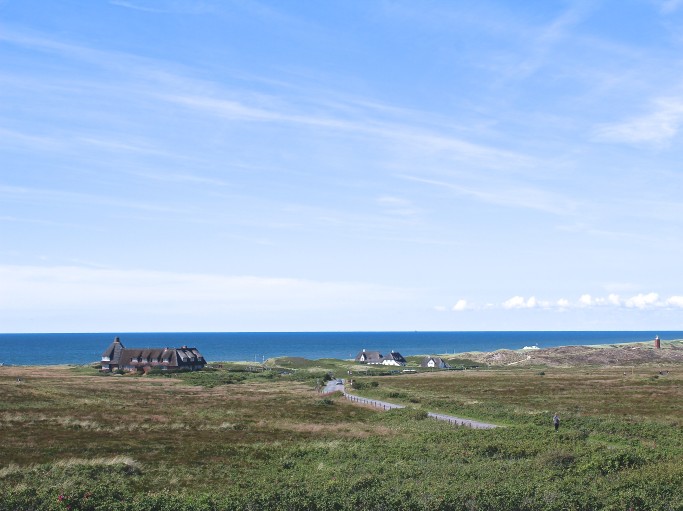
[369, 357]
[436, 362]
[394, 359]
[117, 356]
[375, 357]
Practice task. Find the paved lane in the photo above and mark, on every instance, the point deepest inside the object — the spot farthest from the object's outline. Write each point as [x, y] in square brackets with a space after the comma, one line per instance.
[458, 421]
[334, 386]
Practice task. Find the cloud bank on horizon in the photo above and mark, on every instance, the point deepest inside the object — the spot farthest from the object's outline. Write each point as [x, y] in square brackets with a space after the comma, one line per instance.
[639, 301]
[177, 165]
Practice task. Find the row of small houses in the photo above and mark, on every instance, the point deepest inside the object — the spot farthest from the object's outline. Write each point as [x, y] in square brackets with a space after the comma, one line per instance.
[396, 359]
[117, 357]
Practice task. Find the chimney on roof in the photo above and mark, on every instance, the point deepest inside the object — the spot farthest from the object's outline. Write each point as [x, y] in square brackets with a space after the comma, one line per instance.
[363, 350]
[116, 339]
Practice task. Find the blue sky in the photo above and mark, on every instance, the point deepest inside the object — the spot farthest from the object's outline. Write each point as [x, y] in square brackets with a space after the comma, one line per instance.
[248, 165]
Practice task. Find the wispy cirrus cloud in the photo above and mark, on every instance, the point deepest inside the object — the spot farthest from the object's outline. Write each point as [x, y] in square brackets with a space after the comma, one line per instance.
[14, 138]
[668, 6]
[355, 123]
[397, 206]
[167, 7]
[172, 177]
[136, 6]
[657, 127]
[158, 82]
[40, 195]
[118, 145]
[549, 36]
[504, 194]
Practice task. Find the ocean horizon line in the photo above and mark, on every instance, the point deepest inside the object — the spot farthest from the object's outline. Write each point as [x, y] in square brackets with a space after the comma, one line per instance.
[123, 332]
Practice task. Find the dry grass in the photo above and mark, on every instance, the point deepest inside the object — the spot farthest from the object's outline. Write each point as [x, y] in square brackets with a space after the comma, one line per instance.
[631, 392]
[275, 443]
[55, 414]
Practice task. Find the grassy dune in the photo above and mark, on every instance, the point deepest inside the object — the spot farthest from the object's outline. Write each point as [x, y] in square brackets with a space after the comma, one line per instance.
[227, 439]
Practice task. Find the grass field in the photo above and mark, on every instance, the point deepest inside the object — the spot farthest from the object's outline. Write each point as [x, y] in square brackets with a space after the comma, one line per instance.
[227, 439]
[511, 395]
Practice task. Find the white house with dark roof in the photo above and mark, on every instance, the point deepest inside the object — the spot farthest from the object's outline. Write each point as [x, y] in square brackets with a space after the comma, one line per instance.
[394, 359]
[117, 356]
[376, 358]
[369, 357]
[435, 362]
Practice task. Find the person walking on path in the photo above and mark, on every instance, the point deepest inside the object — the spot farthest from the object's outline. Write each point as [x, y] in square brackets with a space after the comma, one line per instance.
[556, 421]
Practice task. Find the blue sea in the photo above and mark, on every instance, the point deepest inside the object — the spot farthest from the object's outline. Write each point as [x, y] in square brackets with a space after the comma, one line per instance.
[84, 348]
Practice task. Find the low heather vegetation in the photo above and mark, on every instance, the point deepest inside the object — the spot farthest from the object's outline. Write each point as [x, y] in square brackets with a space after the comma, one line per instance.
[232, 438]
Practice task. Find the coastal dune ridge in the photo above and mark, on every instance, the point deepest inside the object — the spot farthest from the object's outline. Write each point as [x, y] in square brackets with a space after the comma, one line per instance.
[596, 354]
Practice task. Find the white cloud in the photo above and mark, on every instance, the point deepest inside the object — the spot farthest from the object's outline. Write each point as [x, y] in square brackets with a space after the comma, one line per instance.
[460, 305]
[675, 301]
[586, 301]
[518, 302]
[613, 299]
[642, 301]
[563, 303]
[639, 301]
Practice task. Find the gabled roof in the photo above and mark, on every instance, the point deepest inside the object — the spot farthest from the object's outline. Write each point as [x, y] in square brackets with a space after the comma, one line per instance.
[438, 362]
[114, 350]
[140, 357]
[396, 356]
[369, 356]
[165, 356]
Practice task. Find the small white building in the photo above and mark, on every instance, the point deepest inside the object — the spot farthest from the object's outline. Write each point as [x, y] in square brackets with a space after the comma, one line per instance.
[369, 357]
[435, 362]
[394, 359]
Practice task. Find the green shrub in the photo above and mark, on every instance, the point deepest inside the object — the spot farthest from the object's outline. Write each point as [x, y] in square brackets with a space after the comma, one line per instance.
[418, 415]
